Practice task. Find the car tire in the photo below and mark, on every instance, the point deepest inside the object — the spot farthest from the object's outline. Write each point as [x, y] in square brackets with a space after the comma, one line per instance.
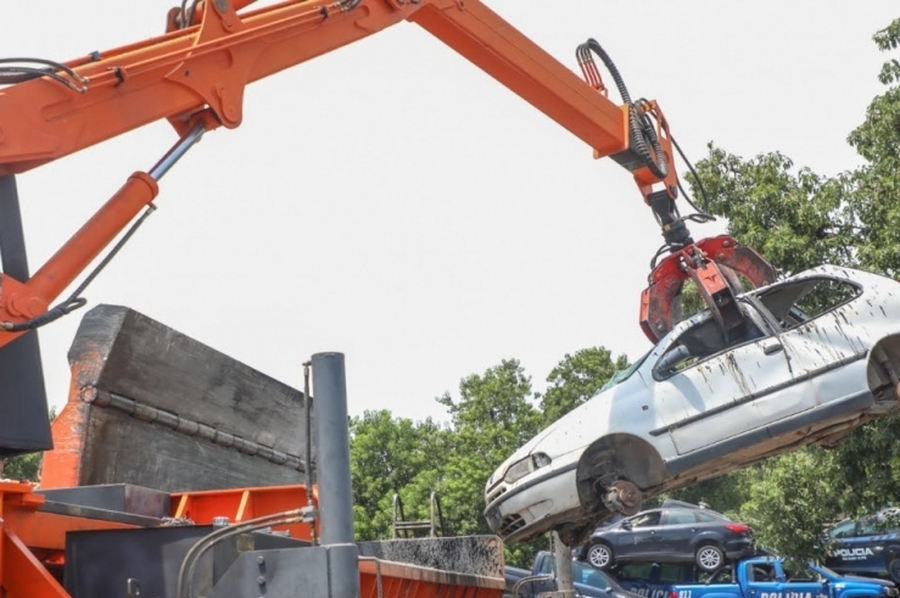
[893, 568]
[709, 557]
[600, 556]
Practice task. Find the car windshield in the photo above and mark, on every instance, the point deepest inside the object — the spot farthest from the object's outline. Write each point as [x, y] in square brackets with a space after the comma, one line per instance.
[621, 375]
[589, 576]
[824, 571]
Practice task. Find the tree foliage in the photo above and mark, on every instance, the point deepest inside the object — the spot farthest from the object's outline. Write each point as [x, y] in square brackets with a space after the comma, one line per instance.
[794, 217]
[21, 467]
[577, 378]
[799, 219]
[390, 456]
[494, 415]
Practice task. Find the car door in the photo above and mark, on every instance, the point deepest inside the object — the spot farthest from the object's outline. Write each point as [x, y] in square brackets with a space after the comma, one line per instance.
[801, 580]
[824, 327]
[711, 389]
[643, 531]
[864, 551]
[763, 580]
[677, 529]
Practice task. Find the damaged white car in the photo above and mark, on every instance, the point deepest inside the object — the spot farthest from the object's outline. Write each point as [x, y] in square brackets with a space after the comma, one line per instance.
[818, 355]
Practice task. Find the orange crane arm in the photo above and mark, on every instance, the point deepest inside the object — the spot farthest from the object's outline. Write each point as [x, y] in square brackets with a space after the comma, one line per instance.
[182, 73]
[195, 75]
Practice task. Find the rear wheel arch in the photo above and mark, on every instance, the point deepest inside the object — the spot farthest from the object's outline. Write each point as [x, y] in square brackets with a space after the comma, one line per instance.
[705, 537]
[883, 371]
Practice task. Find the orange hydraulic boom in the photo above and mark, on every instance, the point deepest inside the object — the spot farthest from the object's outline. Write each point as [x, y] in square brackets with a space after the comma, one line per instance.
[194, 76]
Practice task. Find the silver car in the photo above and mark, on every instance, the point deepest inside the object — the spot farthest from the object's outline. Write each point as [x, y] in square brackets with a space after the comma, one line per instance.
[817, 356]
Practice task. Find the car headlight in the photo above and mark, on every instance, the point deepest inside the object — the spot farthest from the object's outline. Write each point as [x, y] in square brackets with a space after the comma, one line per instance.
[523, 467]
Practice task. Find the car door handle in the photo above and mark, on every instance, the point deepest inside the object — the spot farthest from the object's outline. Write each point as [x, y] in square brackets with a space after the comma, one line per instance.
[772, 348]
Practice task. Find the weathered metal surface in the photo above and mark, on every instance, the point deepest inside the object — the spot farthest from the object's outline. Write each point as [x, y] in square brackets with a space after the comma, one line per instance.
[100, 563]
[124, 498]
[233, 425]
[304, 571]
[472, 555]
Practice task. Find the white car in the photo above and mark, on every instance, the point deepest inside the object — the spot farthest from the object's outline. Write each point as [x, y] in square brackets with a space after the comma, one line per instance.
[818, 355]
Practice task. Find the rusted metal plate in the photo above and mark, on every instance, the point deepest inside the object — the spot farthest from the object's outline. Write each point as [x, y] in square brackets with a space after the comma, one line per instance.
[152, 407]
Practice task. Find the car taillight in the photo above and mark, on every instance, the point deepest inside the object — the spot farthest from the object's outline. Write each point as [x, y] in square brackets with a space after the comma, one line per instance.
[738, 528]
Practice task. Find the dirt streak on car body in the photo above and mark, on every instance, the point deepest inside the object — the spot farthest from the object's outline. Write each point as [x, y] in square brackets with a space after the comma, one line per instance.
[737, 372]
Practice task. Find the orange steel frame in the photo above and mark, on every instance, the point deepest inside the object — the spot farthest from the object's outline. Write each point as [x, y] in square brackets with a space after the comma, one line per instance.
[195, 76]
[32, 542]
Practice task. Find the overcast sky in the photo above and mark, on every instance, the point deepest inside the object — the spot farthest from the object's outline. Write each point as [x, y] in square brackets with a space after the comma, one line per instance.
[393, 202]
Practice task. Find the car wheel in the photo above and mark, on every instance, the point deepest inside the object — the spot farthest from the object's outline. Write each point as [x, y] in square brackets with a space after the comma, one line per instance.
[600, 556]
[893, 568]
[709, 557]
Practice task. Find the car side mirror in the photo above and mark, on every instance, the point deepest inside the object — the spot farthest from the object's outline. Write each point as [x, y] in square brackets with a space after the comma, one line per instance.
[671, 359]
[626, 525]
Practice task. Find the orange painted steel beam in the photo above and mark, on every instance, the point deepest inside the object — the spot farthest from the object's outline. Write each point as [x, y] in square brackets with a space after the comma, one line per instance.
[23, 575]
[23, 530]
[38, 529]
[242, 504]
[177, 75]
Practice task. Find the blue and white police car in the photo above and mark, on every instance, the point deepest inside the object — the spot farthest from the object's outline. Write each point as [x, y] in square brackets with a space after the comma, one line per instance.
[867, 546]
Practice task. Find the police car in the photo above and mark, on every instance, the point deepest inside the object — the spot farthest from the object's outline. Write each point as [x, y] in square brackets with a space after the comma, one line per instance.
[867, 546]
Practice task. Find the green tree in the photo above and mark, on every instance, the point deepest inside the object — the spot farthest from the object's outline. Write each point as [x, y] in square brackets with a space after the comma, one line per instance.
[577, 378]
[26, 467]
[21, 467]
[493, 417]
[798, 219]
[726, 494]
[391, 455]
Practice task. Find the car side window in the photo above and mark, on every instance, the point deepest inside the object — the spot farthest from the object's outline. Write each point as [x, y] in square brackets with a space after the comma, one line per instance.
[871, 526]
[763, 572]
[589, 576]
[797, 302]
[675, 517]
[546, 567]
[647, 519]
[705, 339]
[844, 529]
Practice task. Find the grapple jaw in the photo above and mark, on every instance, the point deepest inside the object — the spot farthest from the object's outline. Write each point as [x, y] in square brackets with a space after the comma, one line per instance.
[714, 264]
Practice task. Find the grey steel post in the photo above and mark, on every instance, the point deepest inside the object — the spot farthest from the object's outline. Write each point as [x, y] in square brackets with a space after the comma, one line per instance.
[563, 556]
[333, 458]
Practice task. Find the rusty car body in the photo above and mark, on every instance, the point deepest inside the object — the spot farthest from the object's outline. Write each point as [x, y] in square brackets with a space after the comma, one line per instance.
[818, 356]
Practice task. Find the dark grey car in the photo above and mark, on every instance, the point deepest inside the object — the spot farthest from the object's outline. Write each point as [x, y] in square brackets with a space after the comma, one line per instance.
[676, 533]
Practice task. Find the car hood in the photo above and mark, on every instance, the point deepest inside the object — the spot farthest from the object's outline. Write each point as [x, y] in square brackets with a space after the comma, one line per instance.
[578, 428]
[862, 579]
